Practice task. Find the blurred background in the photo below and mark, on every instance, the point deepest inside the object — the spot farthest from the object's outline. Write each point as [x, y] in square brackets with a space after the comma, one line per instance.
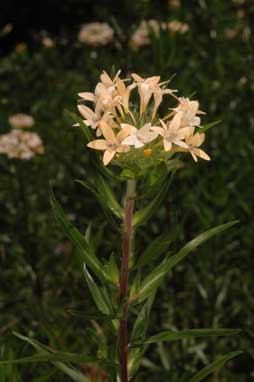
[50, 51]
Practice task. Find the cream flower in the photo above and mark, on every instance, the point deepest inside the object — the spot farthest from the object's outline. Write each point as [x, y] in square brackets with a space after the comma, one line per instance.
[189, 110]
[21, 120]
[96, 33]
[112, 143]
[20, 144]
[173, 133]
[141, 36]
[193, 142]
[139, 137]
[93, 118]
[177, 26]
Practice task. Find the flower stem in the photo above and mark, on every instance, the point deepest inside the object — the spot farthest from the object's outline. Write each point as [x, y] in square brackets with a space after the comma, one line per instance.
[129, 206]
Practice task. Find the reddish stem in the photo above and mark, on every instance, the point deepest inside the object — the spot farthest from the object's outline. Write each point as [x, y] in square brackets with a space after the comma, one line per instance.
[129, 205]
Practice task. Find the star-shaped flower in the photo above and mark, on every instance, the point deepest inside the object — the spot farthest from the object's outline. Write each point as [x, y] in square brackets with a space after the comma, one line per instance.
[112, 143]
[193, 142]
[139, 137]
[172, 133]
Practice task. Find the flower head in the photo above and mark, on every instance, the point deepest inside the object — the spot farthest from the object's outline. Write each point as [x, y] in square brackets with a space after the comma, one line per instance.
[21, 120]
[122, 123]
[96, 33]
[20, 144]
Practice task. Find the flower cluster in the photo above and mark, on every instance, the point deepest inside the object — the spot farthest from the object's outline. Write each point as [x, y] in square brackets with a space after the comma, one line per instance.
[18, 143]
[21, 121]
[123, 128]
[142, 34]
[96, 33]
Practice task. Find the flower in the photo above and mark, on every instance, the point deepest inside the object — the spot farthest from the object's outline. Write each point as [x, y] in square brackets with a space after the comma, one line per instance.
[172, 133]
[20, 144]
[112, 143]
[96, 33]
[48, 42]
[139, 137]
[20, 121]
[193, 142]
[148, 87]
[189, 109]
[177, 26]
[141, 36]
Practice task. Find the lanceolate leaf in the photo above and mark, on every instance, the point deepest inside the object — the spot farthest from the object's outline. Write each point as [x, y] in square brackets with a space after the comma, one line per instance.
[155, 278]
[190, 333]
[141, 216]
[85, 129]
[202, 129]
[92, 316]
[156, 248]
[104, 195]
[79, 240]
[74, 374]
[203, 373]
[96, 292]
[57, 357]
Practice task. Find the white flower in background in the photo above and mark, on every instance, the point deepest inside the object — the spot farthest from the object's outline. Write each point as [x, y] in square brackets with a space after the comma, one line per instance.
[112, 143]
[96, 33]
[172, 133]
[193, 142]
[48, 42]
[20, 144]
[21, 120]
[141, 36]
[189, 110]
[139, 137]
[177, 26]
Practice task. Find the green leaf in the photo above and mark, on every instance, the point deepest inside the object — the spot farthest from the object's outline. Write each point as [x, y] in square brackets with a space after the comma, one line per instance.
[155, 278]
[92, 316]
[57, 357]
[78, 239]
[141, 216]
[155, 249]
[203, 373]
[85, 129]
[74, 374]
[202, 129]
[96, 292]
[190, 333]
[104, 195]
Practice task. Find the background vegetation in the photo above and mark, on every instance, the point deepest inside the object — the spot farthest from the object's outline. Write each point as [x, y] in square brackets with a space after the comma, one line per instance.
[40, 278]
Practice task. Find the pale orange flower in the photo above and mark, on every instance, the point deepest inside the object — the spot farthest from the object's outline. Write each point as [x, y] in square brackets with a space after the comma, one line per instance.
[172, 133]
[193, 142]
[112, 143]
[96, 33]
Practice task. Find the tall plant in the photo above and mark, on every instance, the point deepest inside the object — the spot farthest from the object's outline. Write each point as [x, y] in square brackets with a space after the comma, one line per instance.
[141, 148]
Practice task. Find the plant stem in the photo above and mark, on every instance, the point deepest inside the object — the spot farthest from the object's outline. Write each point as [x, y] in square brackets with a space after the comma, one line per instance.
[129, 206]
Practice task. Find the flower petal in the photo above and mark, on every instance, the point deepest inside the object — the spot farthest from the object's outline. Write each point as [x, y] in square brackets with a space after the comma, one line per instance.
[108, 156]
[107, 132]
[167, 145]
[98, 144]
[86, 112]
[87, 96]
